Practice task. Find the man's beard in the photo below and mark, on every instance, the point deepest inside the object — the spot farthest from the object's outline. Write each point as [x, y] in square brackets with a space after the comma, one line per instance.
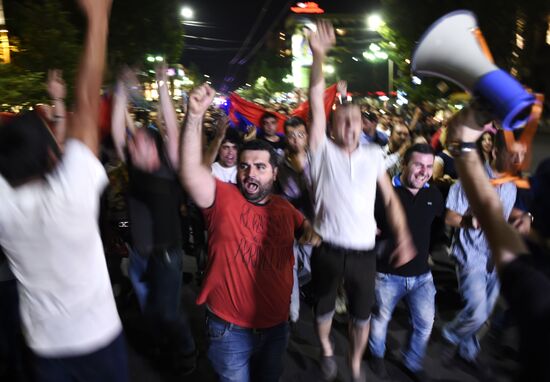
[262, 191]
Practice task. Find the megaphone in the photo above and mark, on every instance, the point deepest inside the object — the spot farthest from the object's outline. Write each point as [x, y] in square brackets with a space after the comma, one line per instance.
[454, 49]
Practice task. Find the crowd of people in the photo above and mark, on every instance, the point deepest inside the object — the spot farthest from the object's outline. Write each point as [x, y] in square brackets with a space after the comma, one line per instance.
[346, 208]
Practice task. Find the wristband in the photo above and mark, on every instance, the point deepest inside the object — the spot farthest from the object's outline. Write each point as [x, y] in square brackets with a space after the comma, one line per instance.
[458, 148]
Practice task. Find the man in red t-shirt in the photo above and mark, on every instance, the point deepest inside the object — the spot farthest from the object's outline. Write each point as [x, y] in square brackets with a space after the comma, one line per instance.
[250, 254]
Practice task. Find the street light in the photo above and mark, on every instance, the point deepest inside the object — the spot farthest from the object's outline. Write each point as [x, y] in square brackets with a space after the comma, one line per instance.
[186, 13]
[374, 22]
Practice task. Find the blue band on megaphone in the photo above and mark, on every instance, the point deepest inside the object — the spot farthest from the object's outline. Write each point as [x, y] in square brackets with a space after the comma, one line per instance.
[508, 99]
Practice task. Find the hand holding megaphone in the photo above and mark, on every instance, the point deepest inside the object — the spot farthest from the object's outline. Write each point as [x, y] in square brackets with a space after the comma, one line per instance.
[467, 125]
[454, 49]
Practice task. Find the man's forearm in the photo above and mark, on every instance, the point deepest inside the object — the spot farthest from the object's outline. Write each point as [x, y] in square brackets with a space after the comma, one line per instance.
[170, 122]
[397, 219]
[89, 80]
[505, 242]
[60, 120]
[191, 143]
[118, 120]
[211, 150]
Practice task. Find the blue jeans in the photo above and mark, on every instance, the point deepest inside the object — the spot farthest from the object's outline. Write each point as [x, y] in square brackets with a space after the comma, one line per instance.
[419, 294]
[157, 280]
[242, 355]
[479, 290]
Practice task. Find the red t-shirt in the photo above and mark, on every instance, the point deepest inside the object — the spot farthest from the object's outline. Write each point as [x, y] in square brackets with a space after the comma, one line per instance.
[250, 258]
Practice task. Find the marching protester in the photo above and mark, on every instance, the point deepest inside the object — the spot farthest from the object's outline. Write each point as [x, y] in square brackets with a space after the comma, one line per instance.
[251, 232]
[224, 145]
[478, 281]
[523, 265]
[49, 231]
[413, 281]
[154, 199]
[344, 214]
[294, 182]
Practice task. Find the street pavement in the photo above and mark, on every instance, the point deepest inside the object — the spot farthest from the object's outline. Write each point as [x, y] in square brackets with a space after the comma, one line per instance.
[300, 362]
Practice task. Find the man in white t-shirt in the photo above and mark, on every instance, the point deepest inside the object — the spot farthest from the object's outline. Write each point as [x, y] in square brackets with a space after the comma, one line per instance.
[345, 175]
[49, 231]
[226, 145]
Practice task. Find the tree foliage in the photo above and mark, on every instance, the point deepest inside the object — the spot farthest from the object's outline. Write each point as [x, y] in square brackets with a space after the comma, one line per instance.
[21, 87]
[141, 27]
[266, 76]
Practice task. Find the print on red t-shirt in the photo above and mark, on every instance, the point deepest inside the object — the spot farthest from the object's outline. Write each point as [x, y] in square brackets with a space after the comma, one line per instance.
[250, 258]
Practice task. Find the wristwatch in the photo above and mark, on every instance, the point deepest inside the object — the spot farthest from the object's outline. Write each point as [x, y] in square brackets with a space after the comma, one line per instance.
[458, 148]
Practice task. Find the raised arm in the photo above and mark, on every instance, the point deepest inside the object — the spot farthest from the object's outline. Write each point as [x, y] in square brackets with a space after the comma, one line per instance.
[504, 241]
[170, 118]
[320, 41]
[404, 246]
[212, 150]
[57, 91]
[196, 178]
[84, 124]
[118, 119]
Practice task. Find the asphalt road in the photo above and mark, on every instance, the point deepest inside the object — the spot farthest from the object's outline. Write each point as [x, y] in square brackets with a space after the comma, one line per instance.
[303, 349]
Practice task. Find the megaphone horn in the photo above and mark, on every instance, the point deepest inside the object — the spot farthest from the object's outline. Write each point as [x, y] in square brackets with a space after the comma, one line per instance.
[454, 49]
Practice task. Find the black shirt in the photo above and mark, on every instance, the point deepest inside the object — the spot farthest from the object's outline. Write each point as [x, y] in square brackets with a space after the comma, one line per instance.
[154, 200]
[421, 210]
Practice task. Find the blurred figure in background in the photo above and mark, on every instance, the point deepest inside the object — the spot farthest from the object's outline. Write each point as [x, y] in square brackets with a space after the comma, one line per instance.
[50, 235]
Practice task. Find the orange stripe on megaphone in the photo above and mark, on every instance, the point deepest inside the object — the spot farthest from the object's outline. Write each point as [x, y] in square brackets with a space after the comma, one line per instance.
[483, 44]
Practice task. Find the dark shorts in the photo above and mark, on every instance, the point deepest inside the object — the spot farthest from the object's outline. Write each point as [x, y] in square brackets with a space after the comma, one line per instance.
[330, 265]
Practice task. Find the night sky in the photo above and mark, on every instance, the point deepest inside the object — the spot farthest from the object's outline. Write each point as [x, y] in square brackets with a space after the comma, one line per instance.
[234, 21]
[220, 28]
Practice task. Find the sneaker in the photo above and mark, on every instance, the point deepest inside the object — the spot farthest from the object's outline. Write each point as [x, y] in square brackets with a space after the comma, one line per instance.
[329, 368]
[378, 366]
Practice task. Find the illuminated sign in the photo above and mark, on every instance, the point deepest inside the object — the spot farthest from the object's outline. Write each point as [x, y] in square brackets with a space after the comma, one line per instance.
[307, 7]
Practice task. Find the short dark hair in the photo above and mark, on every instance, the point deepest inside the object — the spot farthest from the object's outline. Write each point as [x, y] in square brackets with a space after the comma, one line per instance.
[294, 122]
[266, 115]
[260, 145]
[25, 146]
[369, 116]
[232, 136]
[422, 148]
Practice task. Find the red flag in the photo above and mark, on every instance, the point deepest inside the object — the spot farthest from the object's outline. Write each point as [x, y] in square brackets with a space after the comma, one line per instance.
[253, 111]
[302, 110]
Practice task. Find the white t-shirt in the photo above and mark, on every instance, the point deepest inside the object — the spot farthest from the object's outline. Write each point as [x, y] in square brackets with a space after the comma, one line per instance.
[49, 232]
[345, 189]
[225, 174]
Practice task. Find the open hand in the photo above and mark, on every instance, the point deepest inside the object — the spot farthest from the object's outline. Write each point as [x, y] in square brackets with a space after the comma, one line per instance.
[322, 39]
